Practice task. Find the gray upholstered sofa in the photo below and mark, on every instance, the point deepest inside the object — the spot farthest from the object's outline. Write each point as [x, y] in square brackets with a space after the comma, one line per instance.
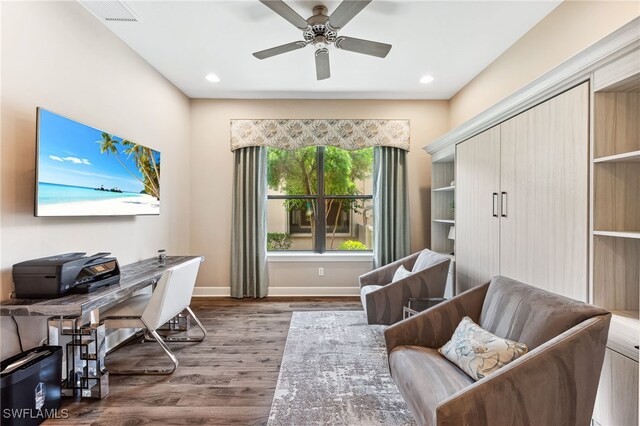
[383, 300]
[555, 383]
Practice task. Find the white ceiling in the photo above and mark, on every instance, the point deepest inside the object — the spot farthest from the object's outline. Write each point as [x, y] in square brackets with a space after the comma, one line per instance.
[451, 40]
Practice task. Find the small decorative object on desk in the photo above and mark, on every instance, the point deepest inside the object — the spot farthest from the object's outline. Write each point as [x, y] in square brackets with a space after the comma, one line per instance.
[162, 257]
[417, 305]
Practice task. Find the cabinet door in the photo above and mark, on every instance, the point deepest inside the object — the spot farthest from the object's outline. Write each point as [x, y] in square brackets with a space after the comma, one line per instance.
[617, 399]
[477, 225]
[544, 189]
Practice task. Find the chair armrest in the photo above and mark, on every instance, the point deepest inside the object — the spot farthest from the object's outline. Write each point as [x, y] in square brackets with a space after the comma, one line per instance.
[555, 383]
[434, 327]
[384, 274]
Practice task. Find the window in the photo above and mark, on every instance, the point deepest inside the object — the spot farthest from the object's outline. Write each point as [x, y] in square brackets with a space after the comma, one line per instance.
[320, 198]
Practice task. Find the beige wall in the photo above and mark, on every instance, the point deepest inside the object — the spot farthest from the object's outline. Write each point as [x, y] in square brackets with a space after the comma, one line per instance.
[56, 55]
[569, 29]
[212, 169]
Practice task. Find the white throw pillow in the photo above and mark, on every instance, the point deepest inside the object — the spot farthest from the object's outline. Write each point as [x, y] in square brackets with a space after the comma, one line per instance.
[478, 352]
[401, 273]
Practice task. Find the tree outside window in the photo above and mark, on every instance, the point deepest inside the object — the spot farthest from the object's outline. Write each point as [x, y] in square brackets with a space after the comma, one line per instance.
[320, 198]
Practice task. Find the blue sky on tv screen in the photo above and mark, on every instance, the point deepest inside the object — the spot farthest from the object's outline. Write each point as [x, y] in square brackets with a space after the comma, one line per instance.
[70, 155]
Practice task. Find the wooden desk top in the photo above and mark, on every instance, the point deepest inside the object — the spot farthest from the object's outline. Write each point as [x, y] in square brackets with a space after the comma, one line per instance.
[133, 277]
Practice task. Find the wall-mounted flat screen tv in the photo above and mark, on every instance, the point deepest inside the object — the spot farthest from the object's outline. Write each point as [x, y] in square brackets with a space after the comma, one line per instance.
[83, 171]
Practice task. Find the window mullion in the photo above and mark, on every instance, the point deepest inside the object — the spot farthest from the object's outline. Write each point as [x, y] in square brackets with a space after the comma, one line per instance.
[321, 226]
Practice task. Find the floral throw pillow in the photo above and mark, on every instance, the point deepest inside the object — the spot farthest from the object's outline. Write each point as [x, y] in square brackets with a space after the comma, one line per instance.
[401, 273]
[479, 353]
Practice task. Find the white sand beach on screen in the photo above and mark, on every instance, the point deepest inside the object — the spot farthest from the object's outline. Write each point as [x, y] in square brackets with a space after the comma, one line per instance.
[142, 204]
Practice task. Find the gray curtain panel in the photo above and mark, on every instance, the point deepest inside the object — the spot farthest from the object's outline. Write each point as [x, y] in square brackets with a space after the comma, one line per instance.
[249, 276]
[391, 206]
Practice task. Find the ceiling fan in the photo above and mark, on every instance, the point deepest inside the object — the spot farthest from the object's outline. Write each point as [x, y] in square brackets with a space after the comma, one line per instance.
[321, 30]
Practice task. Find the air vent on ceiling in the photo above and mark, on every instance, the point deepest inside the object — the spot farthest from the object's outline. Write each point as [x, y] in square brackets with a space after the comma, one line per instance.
[111, 10]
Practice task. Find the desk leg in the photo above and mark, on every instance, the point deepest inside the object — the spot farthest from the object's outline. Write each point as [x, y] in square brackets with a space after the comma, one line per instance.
[84, 373]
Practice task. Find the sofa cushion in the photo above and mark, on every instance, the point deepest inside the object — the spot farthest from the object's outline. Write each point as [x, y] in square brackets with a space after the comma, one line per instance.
[400, 274]
[427, 259]
[478, 352]
[528, 314]
[425, 379]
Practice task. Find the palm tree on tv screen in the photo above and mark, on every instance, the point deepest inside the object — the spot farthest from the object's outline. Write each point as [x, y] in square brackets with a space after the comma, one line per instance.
[143, 157]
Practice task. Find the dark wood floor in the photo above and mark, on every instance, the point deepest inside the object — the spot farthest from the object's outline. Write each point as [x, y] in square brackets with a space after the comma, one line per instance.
[227, 379]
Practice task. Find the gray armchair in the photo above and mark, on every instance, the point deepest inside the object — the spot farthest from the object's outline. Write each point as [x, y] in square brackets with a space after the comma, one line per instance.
[383, 300]
[555, 383]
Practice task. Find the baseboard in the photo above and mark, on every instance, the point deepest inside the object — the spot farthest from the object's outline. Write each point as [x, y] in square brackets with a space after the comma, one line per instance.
[282, 291]
[211, 292]
[314, 291]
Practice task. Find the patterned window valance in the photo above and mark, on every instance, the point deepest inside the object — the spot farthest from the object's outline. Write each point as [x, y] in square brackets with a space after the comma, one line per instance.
[345, 134]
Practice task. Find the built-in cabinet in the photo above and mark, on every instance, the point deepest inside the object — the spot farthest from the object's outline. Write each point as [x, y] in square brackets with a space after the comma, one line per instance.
[522, 195]
[615, 233]
[443, 214]
[548, 193]
[477, 213]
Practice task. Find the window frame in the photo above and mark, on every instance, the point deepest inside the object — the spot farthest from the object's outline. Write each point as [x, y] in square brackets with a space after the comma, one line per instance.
[320, 198]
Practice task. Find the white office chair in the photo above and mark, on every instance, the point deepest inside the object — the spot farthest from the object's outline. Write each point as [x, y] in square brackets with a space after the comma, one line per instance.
[171, 296]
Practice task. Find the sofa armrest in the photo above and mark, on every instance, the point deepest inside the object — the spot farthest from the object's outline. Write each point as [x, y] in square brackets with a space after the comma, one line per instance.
[434, 327]
[384, 274]
[555, 383]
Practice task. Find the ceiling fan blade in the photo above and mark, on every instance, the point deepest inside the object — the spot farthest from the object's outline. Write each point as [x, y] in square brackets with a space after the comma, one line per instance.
[267, 53]
[283, 9]
[365, 47]
[345, 12]
[322, 64]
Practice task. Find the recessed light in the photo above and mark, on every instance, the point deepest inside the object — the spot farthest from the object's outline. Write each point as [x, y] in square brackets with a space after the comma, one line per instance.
[426, 79]
[213, 78]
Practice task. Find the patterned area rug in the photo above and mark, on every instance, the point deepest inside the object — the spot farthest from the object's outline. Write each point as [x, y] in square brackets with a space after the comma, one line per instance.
[334, 371]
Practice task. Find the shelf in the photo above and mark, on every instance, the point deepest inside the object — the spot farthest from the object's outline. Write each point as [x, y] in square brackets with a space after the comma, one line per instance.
[451, 221]
[624, 333]
[451, 256]
[618, 234]
[445, 189]
[627, 157]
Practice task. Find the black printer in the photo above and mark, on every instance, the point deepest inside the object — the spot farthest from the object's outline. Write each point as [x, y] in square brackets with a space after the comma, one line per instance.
[55, 276]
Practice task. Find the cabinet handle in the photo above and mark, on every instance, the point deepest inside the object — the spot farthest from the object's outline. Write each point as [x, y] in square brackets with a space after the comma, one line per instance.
[503, 205]
[495, 204]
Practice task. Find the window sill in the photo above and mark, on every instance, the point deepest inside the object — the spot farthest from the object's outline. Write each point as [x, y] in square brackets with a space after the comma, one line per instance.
[300, 256]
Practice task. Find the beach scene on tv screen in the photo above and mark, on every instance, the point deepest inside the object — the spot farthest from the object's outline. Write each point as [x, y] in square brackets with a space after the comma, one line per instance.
[83, 171]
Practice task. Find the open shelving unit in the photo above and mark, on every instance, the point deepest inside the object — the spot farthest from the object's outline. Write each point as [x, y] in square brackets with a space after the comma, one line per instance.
[443, 213]
[442, 208]
[615, 233]
[616, 209]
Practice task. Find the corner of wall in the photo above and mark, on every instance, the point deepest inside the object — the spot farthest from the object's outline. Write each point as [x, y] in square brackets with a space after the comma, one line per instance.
[567, 30]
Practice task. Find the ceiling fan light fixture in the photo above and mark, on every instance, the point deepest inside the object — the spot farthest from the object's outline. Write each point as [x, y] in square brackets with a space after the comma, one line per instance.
[320, 42]
[212, 78]
[426, 79]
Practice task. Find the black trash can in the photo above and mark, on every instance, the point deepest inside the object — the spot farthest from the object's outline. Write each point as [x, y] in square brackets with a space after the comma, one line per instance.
[30, 386]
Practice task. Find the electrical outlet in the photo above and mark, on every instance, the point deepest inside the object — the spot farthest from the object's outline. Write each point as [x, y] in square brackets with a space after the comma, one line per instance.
[321, 272]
